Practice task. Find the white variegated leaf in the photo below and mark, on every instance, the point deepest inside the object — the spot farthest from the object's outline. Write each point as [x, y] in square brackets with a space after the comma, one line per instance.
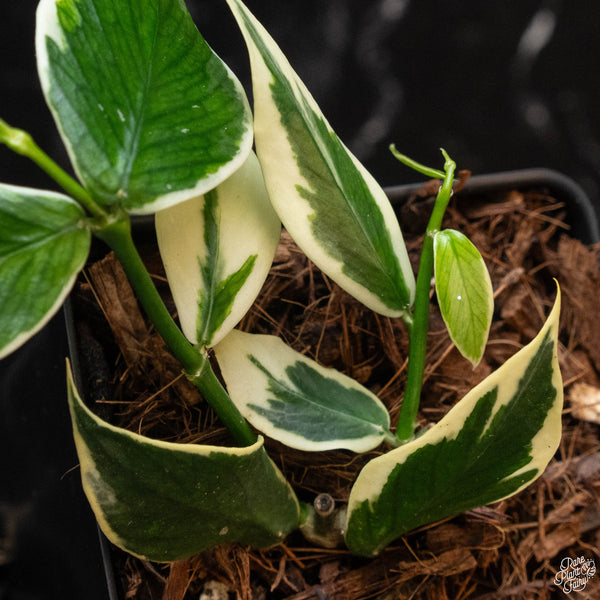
[44, 243]
[333, 208]
[296, 401]
[149, 115]
[164, 501]
[217, 250]
[493, 443]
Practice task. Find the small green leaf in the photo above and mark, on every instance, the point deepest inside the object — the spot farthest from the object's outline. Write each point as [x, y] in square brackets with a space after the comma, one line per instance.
[164, 501]
[464, 290]
[296, 401]
[493, 443]
[43, 246]
[217, 251]
[149, 114]
[333, 208]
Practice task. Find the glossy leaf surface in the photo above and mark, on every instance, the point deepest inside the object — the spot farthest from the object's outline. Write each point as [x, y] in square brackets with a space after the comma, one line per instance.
[294, 400]
[43, 245]
[464, 292]
[332, 207]
[494, 442]
[164, 501]
[149, 114]
[217, 250]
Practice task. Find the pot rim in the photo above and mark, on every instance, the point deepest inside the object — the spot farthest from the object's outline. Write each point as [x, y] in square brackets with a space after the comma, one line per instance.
[583, 216]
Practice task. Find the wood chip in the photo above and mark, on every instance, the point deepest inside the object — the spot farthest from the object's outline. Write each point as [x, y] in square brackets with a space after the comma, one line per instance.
[445, 564]
[178, 581]
[585, 402]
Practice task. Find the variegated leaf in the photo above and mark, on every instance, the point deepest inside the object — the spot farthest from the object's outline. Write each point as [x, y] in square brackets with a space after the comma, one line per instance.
[163, 501]
[296, 401]
[493, 443]
[330, 204]
[149, 114]
[217, 250]
[464, 291]
[44, 243]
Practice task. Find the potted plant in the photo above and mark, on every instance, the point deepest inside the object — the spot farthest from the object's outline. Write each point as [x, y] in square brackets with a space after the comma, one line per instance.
[172, 136]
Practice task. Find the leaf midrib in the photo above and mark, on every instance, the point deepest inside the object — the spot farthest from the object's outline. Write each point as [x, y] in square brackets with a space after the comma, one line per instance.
[39, 242]
[212, 268]
[142, 108]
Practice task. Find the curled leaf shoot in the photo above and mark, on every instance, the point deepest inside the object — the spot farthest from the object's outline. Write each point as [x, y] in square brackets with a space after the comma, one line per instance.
[416, 166]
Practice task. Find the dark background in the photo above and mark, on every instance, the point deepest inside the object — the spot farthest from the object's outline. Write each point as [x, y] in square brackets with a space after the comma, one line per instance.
[499, 84]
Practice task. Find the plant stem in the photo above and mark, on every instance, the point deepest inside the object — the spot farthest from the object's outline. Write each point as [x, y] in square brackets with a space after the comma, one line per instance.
[407, 419]
[210, 387]
[114, 228]
[21, 142]
[117, 235]
[416, 166]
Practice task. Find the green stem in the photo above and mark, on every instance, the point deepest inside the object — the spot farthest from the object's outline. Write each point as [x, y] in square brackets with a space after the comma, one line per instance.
[21, 142]
[115, 230]
[416, 166]
[407, 419]
[210, 387]
[117, 235]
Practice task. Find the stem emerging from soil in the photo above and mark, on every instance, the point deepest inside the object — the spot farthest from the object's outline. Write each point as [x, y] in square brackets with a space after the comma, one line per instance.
[407, 420]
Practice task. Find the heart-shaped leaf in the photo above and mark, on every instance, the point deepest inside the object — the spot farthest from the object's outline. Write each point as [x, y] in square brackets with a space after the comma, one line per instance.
[464, 291]
[493, 443]
[332, 207]
[149, 114]
[217, 250]
[44, 244]
[164, 501]
[296, 401]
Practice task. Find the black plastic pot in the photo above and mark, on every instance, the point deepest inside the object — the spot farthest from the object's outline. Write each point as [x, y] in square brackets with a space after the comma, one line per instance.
[55, 536]
[48, 537]
[582, 215]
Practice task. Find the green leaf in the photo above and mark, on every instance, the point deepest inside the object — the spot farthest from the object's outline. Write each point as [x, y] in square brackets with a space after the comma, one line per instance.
[164, 501]
[493, 443]
[149, 114]
[217, 251]
[464, 290]
[333, 208]
[43, 246]
[296, 401]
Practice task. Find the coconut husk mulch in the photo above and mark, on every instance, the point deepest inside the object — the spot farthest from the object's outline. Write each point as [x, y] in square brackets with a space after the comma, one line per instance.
[512, 549]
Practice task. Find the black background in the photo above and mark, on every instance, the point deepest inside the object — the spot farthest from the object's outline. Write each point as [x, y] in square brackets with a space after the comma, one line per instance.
[499, 84]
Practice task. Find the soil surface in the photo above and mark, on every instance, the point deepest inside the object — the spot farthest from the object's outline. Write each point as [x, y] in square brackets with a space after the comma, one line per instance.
[512, 549]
